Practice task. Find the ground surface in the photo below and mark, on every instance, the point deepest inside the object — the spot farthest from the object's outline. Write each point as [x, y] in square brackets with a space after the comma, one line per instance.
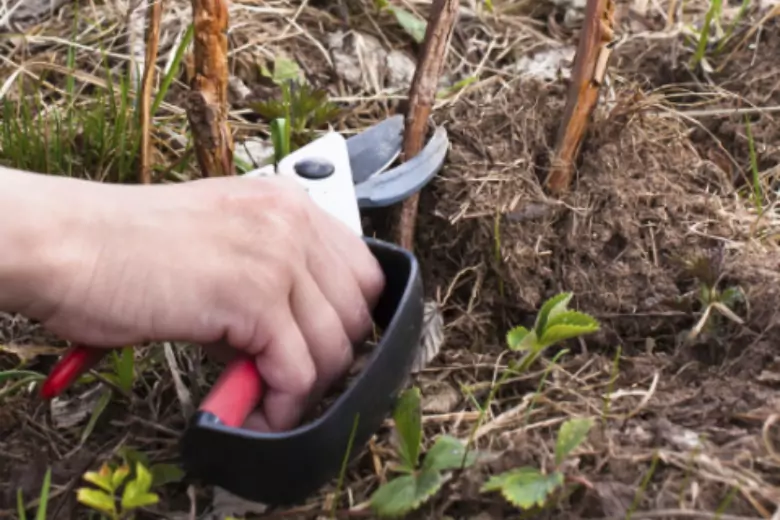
[690, 427]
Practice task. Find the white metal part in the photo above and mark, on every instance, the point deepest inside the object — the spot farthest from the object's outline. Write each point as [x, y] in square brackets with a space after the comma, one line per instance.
[334, 193]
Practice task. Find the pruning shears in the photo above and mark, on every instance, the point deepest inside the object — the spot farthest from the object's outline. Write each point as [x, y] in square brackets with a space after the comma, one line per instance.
[342, 176]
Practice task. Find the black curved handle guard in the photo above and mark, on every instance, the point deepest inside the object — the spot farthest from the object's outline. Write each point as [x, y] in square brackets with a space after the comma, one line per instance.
[283, 469]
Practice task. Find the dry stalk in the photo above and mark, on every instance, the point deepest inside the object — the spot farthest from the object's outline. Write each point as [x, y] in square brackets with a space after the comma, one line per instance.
[422, 94]
[590, 66]
[152, 41]
[207, 102]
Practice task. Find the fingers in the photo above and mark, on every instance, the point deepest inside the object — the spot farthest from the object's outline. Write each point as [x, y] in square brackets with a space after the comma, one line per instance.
[324, 330]
[355, 255]
[340, 290]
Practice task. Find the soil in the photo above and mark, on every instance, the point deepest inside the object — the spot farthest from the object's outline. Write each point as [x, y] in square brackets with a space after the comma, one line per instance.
[657, 210]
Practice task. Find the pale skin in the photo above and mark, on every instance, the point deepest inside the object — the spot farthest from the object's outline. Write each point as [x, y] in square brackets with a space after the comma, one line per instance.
[228, 263]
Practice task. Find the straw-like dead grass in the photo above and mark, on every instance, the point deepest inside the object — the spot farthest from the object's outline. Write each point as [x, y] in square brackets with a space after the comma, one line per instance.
[684, 429]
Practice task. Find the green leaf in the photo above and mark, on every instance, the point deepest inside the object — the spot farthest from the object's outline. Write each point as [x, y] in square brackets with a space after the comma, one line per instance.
[567, 325]
[447, 453]
[136, 492]
[571, 435]
[520, 338]
[12, 374]
[165, 474]
[20, 505]
[285, 70]
[124, 365]
[101, 405]
[404, 494]
[408, 424]
[414, 26]
[550, 309]
[44, 497]
[525, 487]
[120, 475]
[280, 137]
[139, 500]
[101, 478]
[97, 500]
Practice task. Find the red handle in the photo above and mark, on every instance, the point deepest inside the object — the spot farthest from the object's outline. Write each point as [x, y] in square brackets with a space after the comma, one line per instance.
[237, 391]
[74, 363]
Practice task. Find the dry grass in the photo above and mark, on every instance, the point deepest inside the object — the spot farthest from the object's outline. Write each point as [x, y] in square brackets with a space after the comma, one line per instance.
[665, 175]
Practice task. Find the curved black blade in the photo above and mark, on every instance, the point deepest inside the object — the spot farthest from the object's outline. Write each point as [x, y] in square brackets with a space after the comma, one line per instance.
[375, 149]
[385, 189]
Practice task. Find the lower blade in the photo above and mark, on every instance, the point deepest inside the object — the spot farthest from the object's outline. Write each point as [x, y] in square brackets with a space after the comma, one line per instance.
[375, 149]
[385, 189]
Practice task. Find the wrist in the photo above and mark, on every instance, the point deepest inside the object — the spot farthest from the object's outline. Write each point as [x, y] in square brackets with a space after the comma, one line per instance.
[35, 237]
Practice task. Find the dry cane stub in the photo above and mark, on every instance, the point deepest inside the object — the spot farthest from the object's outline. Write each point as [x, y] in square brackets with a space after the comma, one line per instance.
[643, 202]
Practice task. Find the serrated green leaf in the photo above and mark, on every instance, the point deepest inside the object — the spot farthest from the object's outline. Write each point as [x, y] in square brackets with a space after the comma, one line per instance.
[405, 494]
[571, 435]
[97, 500]
[165, 474]
[567, 325]
[550, 309]
[447, 453]
[496, 482]
[408, 424]
[526, 487]
[414, 26]
[517, 338]
[101, 478]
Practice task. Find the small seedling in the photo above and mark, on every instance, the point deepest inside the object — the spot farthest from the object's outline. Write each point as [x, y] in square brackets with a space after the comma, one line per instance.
[528, 487]
[554, 323]
[419, 482]
[135, 493]
[707, 270]
[299, 111]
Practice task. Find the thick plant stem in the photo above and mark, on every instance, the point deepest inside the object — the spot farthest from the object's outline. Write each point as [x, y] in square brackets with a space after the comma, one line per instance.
[207, 102]
[152, 41]
[422, 95]
[590, 65]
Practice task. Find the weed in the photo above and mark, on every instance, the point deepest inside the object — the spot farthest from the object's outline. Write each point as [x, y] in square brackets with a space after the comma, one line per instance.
[527, 487]
[109, 481]
[420, 481]
[297, 113]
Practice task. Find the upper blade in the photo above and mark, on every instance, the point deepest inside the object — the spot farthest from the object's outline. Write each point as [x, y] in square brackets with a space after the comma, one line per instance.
[410, 177]
[375, 149]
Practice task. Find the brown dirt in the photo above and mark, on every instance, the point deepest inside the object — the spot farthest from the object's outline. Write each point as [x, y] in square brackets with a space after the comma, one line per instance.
[656, 186]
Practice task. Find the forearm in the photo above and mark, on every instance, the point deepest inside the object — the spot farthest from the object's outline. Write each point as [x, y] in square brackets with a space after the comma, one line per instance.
[31, 230]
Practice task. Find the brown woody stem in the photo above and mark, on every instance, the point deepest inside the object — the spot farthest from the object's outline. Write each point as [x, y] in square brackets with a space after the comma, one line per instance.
[422, 94]
[152, 41]
[207, 102]
[590, 65]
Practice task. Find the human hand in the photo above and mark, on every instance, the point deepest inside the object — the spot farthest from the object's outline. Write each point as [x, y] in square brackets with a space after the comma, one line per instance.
[253, 264]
